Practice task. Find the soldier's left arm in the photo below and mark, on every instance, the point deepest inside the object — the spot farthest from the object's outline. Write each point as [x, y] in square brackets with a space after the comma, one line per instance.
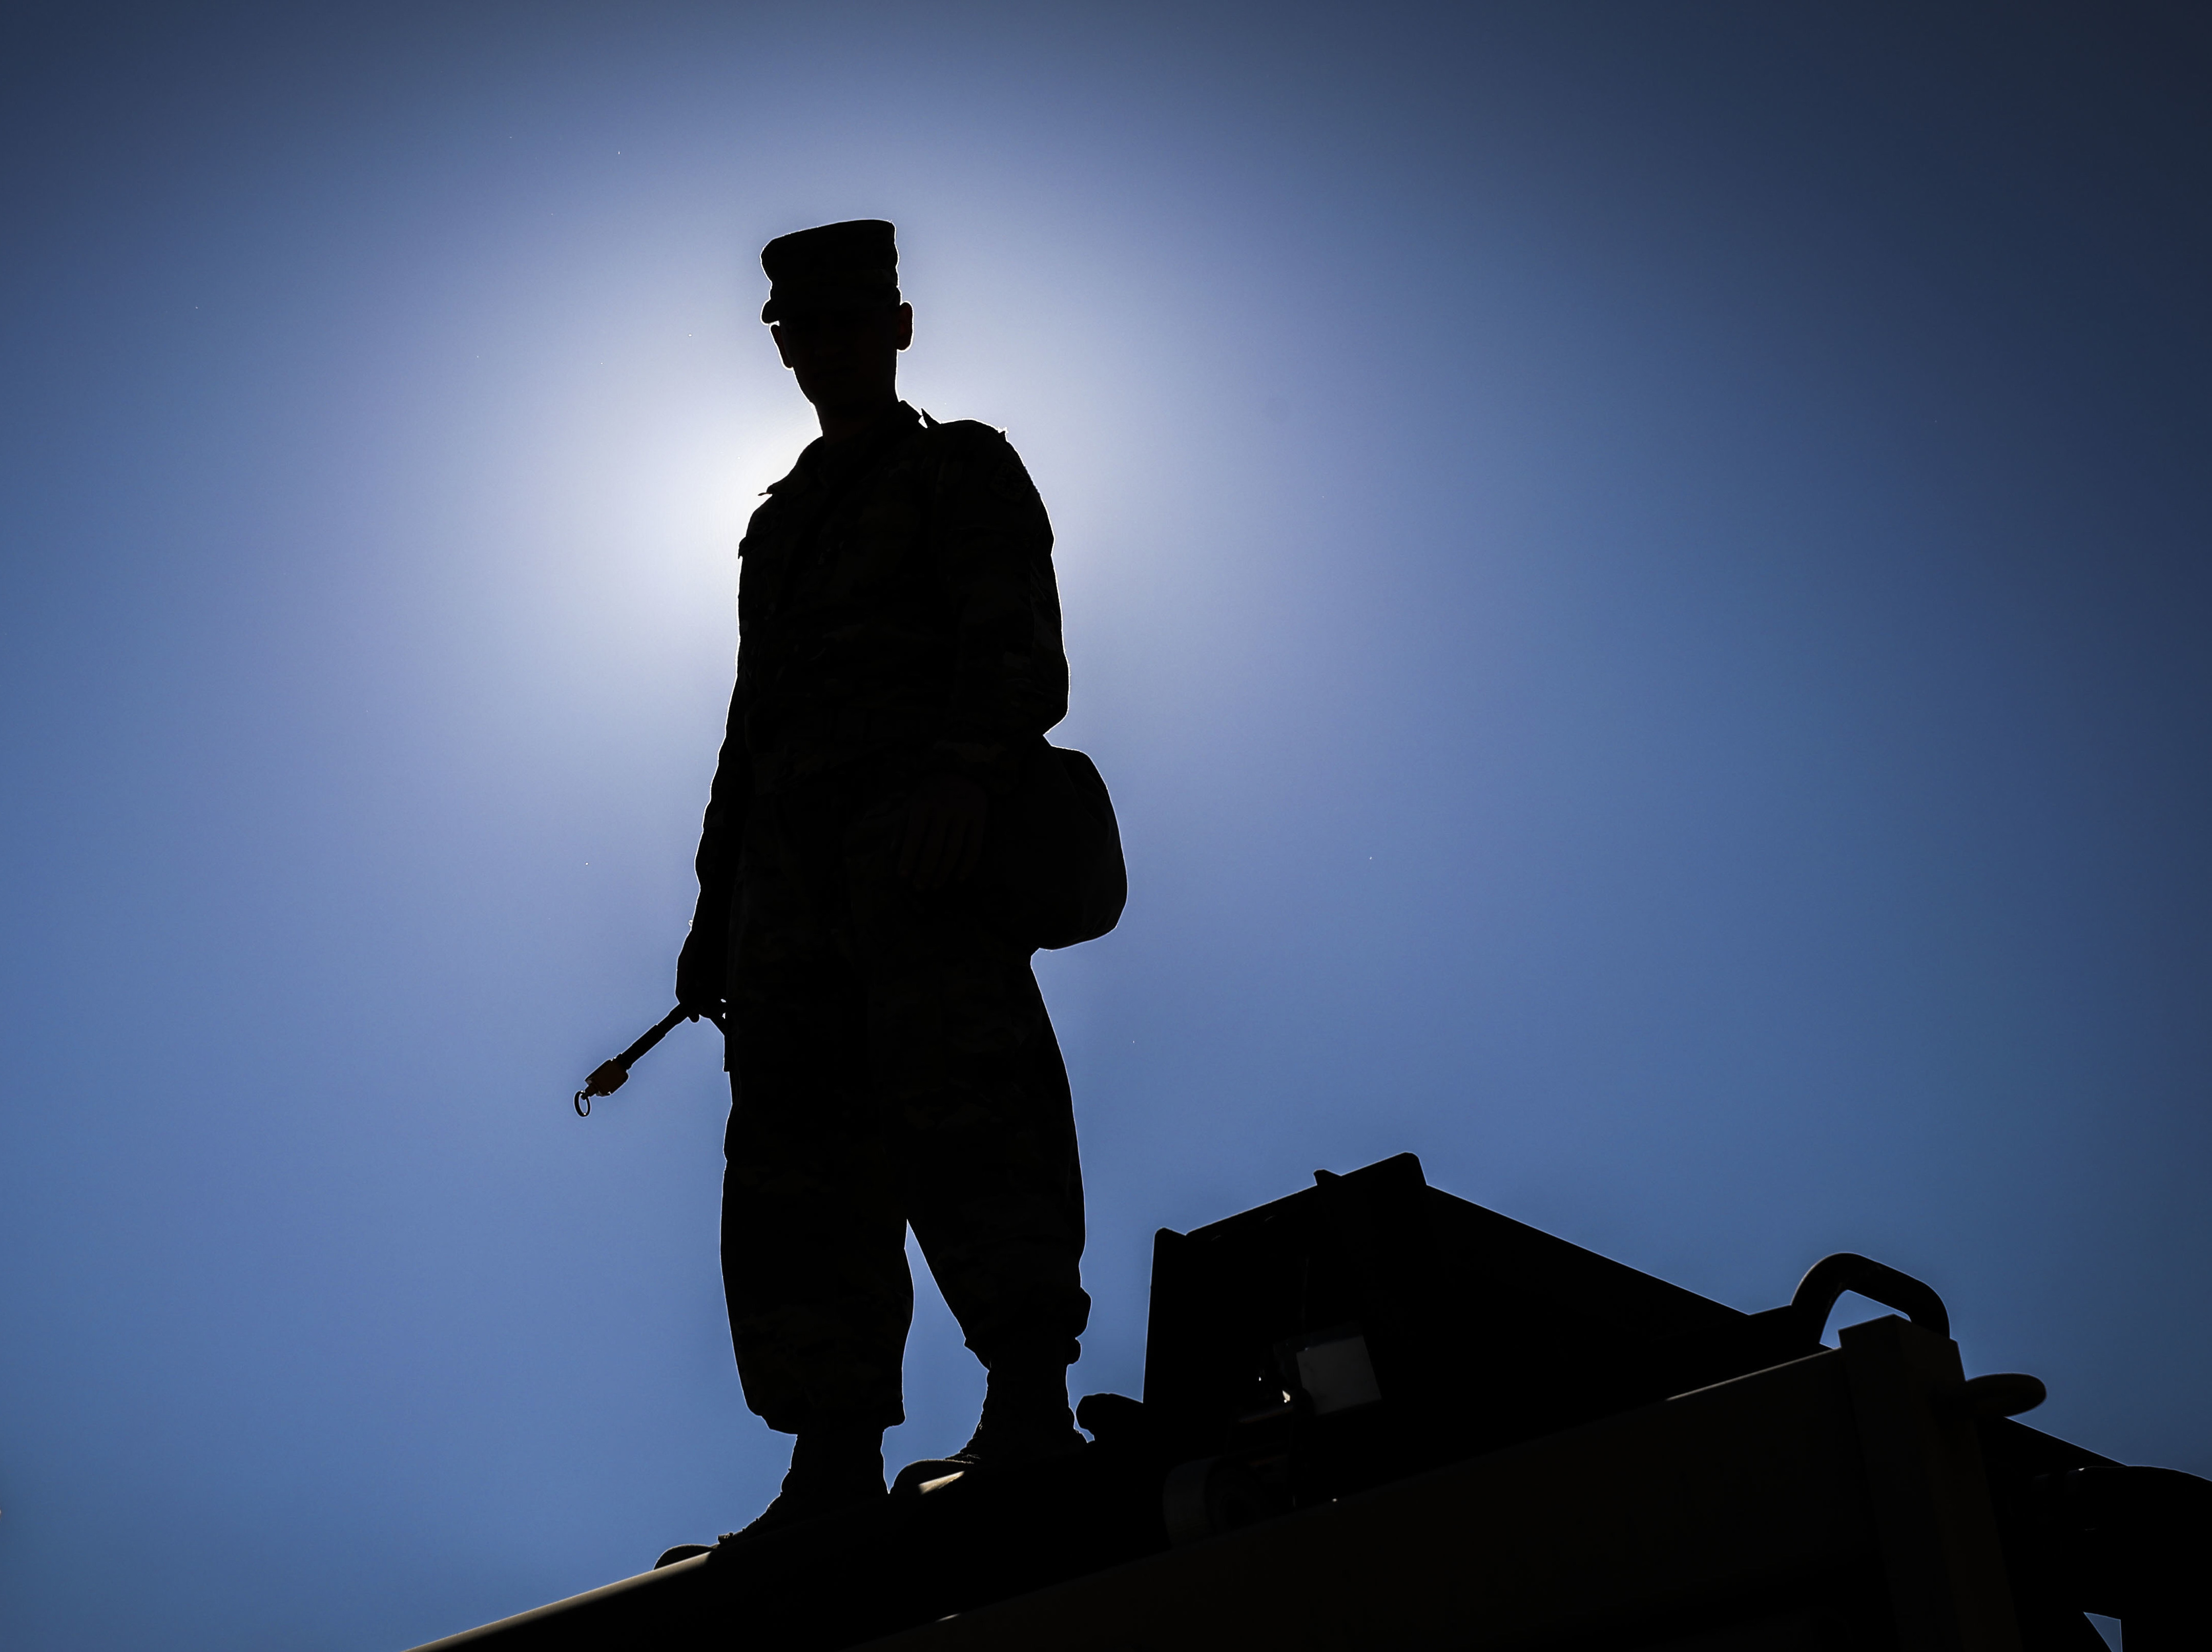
[992, 544]
[701, 964]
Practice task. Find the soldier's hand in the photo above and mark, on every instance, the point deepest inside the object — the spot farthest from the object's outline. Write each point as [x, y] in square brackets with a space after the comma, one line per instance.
[944, 835]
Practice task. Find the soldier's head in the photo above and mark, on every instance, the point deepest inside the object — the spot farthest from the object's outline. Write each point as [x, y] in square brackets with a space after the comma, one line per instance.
[835, 312]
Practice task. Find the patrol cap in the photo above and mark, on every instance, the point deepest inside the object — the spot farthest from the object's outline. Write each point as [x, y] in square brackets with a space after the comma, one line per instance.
[849, 266]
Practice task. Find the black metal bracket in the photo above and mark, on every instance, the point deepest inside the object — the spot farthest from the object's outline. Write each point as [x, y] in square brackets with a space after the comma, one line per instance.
[1828, 1279]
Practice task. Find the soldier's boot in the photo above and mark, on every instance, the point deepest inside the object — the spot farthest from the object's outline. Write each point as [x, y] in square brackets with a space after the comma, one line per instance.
[833, 1470]
[1025, 1420]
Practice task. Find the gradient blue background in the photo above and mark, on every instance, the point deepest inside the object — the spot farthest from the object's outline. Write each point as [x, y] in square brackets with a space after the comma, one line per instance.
[1639, 573]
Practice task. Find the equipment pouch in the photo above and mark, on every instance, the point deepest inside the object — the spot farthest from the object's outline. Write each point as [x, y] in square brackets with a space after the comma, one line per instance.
[1060, 851]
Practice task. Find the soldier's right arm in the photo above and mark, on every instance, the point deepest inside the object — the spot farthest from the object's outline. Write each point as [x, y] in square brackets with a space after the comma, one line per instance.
[699, 968]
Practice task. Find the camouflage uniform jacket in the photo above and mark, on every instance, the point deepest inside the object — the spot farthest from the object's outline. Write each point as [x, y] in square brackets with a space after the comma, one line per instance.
[896, 599]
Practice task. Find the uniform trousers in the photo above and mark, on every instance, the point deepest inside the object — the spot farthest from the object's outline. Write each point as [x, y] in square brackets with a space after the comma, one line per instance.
[891, 1066]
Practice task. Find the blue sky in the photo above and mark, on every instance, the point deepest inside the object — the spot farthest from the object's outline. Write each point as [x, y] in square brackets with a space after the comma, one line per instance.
[1639, 574]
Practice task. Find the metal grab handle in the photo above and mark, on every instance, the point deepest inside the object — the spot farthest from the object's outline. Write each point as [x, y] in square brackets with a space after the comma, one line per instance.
[1816, 1296]
[609, 1076]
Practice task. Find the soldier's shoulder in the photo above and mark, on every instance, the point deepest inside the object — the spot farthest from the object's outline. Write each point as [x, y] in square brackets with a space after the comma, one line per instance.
[969, 438]
[976, 456]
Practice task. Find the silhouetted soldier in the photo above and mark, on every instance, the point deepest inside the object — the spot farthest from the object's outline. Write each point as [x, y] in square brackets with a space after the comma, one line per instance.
[890, 1059]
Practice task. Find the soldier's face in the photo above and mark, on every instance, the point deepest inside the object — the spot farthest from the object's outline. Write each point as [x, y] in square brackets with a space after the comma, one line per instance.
[845, 359]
